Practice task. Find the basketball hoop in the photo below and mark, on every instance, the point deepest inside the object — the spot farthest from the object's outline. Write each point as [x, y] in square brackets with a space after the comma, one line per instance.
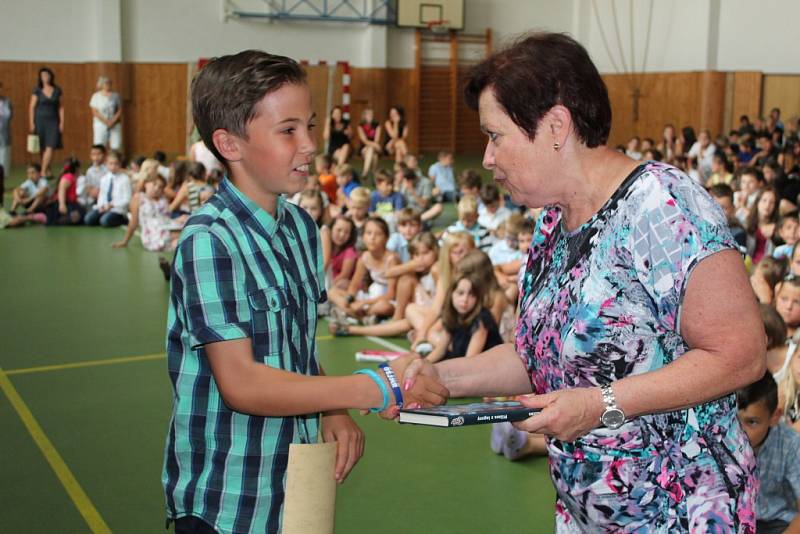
[438, 27]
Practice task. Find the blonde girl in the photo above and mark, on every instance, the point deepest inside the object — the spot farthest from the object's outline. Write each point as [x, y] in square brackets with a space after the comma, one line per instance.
[790, 392]
[311, 201]
[454, 247]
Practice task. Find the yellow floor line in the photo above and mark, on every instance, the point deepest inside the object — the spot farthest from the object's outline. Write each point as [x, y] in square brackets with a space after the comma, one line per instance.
[65, 476]
[88, 363]
[92, 363]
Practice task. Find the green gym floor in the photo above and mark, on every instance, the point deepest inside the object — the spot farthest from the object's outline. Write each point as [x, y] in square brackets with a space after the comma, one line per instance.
[86, 400]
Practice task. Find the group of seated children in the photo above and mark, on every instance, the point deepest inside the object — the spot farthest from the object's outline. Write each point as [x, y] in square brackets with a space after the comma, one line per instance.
[148, 196]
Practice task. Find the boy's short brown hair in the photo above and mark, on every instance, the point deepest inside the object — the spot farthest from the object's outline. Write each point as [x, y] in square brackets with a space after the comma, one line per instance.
[408, 215]
[226, 91]
[469, 178]
[383, 176]
[489, 194]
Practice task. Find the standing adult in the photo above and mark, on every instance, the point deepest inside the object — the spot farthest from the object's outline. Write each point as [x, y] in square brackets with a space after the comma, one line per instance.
[46, 116]
[636, 320]
[106, 106]
[6, 112]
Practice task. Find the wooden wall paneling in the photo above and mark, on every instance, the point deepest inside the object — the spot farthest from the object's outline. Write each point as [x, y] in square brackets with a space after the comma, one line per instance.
[368, 88]
[747, 92]
[18, 83]
[317, 77]
[469, 137]
[453, 80]
[781, 91]
[434, 109]
[156, 115]
[680, 98]
[401, 92]
[416, 92]
[712, 101]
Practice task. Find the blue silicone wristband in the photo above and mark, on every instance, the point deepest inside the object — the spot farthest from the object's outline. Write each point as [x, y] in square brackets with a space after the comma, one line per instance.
[384, 391]
[390, 376]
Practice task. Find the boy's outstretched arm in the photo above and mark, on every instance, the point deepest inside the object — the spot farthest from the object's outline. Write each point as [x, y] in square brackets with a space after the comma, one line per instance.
[251, 387]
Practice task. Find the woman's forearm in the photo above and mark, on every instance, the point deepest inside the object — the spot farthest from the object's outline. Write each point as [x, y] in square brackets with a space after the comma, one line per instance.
[694, 378]
[497, 372]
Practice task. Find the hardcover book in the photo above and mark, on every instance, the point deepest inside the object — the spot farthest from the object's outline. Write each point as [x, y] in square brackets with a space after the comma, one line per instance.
[476, 413]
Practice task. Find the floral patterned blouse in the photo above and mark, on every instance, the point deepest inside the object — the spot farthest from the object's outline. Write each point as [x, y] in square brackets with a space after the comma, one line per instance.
[603, 302]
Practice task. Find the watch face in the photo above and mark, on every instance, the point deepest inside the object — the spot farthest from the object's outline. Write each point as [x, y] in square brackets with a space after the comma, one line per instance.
[613, 418]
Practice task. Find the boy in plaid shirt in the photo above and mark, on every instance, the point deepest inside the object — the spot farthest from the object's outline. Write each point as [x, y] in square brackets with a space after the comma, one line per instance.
[247, 278]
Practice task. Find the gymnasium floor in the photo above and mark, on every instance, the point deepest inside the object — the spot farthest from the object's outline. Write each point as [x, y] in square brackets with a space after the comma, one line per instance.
[86, 399]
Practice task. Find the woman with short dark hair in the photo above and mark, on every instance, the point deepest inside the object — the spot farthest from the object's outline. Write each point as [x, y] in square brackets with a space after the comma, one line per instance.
[46, 116]
[636, 320]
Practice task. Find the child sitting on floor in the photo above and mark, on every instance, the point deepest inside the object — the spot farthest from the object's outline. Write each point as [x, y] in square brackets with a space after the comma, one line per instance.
[468, 222]
[467, 325]
[377, 300]
[149, 211]
[343, 253]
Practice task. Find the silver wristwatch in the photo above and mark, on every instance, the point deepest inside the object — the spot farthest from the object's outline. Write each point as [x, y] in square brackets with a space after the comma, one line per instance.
[613, 417]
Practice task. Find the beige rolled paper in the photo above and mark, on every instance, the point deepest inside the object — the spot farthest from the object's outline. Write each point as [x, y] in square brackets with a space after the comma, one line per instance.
[310, 502]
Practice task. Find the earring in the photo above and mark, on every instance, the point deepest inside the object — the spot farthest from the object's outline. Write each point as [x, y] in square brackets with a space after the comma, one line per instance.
[556, 146]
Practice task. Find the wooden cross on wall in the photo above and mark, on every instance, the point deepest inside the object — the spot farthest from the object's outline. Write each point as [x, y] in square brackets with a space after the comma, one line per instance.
[636, 95]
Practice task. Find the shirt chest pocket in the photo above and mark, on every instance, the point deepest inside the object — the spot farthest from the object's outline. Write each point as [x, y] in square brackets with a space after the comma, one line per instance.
[269, 309]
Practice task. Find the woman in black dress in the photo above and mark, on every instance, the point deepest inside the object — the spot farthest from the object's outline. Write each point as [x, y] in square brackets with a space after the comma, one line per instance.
[46, 116]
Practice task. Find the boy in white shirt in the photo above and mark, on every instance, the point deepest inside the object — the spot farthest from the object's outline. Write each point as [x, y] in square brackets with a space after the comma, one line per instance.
[88, 186]
[114, 196]
[494, 213]
[33, 192]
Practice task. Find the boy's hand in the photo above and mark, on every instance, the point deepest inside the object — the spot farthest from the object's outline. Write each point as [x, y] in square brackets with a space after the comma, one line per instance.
[420, 384]
[338, 426]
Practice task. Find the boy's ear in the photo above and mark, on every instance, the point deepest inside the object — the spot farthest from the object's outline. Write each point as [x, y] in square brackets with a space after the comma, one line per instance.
[227, 144]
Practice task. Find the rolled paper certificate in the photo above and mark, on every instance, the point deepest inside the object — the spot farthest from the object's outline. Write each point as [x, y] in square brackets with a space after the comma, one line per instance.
[310, 500]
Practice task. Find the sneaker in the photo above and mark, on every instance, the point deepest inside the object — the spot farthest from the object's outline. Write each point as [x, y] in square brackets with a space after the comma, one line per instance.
[337, 322]
[514, 443]
[369, 320]
[424, 348]
[499, 433]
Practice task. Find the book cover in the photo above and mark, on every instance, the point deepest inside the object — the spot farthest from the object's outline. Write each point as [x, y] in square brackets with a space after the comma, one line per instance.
[378, 356]
[476, 413]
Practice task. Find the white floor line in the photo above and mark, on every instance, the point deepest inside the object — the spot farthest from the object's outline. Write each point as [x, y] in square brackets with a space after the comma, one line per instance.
[388, 344]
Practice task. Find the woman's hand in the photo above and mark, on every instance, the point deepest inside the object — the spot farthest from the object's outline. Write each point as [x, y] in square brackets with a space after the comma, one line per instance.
[119, 244]
[420, 384]
[338, 426]
[566, 414]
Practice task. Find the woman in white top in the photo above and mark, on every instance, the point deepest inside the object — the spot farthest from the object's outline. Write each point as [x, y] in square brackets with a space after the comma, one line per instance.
[106, 107]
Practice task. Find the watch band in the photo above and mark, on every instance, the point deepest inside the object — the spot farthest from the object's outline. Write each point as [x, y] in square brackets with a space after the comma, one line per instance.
[608, 396]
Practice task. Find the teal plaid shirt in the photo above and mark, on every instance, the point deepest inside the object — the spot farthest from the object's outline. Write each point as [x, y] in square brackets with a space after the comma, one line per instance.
[238, 273]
